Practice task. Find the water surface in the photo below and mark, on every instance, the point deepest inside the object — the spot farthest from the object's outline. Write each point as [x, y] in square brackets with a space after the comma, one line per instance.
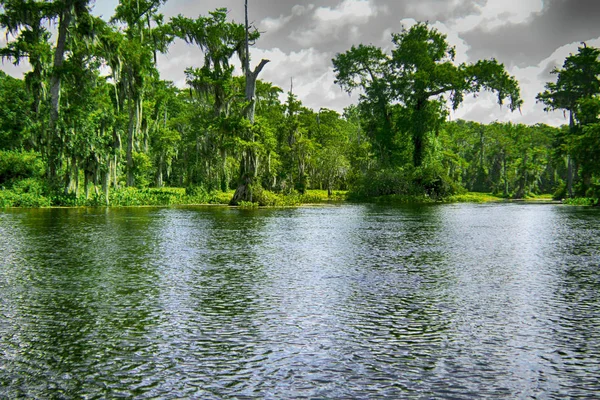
[353, 301]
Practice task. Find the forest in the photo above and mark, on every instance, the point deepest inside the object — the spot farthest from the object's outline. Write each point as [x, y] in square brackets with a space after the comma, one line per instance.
[93, 123]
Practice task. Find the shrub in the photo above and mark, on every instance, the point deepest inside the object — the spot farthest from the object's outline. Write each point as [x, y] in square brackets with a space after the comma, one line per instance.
[18, 165]
[431, 182]
[560, 192]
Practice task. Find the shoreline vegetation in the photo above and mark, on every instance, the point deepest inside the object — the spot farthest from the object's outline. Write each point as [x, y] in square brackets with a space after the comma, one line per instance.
[93, 124]
[166, 197]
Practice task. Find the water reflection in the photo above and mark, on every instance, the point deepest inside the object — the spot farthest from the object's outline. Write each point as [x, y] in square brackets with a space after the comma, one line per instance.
[455, 301]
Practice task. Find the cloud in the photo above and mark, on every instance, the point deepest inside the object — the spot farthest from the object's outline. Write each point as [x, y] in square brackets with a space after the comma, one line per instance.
[532, 80]
[495, 13]
[271, 25]
[559, 23]
[453, 38]
[312, 74]
[335, 24]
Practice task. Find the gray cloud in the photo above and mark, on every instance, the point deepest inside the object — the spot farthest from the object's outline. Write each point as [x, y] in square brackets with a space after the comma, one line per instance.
[561, 22]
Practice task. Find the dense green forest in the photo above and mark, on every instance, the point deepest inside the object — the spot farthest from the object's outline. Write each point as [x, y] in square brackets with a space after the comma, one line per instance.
[92, 123]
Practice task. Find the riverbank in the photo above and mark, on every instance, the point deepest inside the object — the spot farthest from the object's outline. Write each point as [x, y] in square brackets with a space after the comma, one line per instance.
[133, 197]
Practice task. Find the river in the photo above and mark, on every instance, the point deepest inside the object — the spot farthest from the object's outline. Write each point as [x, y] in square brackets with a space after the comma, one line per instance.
[351, 301]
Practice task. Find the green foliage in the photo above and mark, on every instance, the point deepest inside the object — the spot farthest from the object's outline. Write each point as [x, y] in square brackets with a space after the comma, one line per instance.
[429, 182]
[248, 205]
[581, 201]
[472, 197]
[142, 170]
[560, 193]
[17, 165]
[9, 198]
[404, 94]
[67, 121]
[322, 196]
[577, 90]
[14, 115]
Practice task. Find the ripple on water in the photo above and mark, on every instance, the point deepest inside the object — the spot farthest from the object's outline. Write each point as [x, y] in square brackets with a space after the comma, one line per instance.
[453, 301]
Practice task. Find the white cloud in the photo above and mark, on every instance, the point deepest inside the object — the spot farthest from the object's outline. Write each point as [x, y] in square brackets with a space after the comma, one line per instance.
[312, 73]
[273, 25]
[531, 80]
[328, 23]
[495, 13]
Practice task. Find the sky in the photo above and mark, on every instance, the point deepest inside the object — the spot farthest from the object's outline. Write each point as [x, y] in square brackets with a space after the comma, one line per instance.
[530, 37]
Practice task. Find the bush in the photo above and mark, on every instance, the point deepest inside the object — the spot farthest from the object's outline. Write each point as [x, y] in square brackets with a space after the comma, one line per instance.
[10, 198]
[560, 192]
[580, 201]
[18, 165]
[247, 205]
[430, 182]
[142, 170]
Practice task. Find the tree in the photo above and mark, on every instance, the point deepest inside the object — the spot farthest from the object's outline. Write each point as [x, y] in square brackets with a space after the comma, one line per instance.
[248, 164]
[136, 62]
[14, 118]
[25, 22]
[66, 10]
[578, 79]
[220, 40]
[416, 81]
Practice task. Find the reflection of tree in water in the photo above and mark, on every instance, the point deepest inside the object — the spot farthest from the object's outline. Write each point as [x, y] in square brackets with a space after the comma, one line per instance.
[399, 306]
[78, 310]
[213, 337]
[577, 301]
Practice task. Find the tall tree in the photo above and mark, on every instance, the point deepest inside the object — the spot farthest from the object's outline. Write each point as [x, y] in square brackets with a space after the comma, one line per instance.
[420, 76]
[67, 11]
[220, 40]
[26, 21]
[137, 62]
[578, 79]
[248, 164]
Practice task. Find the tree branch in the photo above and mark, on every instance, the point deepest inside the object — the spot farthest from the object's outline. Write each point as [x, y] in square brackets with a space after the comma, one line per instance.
[439, 91]
[260, 67]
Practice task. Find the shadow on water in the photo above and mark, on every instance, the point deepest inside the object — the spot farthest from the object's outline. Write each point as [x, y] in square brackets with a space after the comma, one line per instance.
[352, 301]
[80, 293]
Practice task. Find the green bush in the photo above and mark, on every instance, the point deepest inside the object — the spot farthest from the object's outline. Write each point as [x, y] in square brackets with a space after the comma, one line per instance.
[18, 165]
[33, 186]
[10, 198]
[142, 170]
[248, 205]
[560, 192]
[404, 183]
[580, 201]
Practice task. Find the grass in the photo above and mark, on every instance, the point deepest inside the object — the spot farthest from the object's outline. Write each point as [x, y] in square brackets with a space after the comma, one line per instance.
[320, 196]
[473, 197]
[581, 201]
[30, 196]
[131, 197]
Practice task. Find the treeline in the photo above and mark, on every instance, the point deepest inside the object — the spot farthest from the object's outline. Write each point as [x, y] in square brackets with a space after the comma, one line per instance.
[73, 133]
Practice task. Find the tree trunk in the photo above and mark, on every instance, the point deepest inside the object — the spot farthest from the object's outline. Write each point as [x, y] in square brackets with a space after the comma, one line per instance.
[106, 182]
[224, 175]
[505, 174]
[55, 83]
[418, 136]
[570, 171]
[159, 175]
[248, 167]
[130, 133]
[418, 149]
[86, 183]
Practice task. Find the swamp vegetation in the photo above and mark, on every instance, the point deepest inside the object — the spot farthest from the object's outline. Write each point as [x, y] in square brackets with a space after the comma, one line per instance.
[93, 123]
